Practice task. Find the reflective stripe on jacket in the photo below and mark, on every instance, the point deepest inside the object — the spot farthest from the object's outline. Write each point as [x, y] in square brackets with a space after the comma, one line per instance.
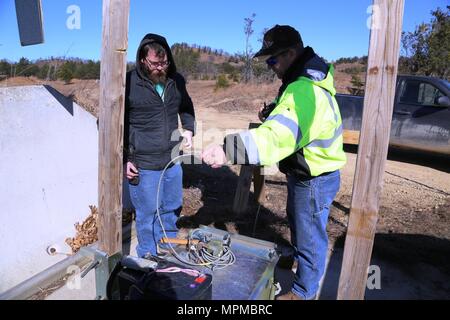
[305, 127]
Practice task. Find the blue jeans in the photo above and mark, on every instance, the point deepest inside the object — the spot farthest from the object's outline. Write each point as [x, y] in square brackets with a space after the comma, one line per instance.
[308, 207]
[143, 197]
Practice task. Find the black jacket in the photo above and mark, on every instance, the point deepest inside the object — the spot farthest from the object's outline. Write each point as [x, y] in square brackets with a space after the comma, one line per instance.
[151, 136]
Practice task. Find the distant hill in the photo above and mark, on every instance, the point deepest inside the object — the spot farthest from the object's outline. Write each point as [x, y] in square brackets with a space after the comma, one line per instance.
[205, 63]
[193, 61]
[350, 75]
[52, 68]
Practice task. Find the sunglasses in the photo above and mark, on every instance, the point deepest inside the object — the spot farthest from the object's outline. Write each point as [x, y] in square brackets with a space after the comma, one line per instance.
[273, 60]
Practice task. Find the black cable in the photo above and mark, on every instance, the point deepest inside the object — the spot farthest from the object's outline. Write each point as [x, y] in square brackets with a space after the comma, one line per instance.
[419, 183]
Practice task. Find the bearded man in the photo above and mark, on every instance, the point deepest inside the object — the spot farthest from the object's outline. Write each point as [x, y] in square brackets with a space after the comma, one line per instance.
[155, 95]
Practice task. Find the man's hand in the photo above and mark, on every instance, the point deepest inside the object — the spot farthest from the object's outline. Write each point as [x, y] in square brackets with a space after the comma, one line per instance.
[214, 156]
[187, 135]
[131, 171]
[265, 111]
[260, 114]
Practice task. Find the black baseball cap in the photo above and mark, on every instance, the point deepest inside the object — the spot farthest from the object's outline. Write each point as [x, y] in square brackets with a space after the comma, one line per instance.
[278, 39]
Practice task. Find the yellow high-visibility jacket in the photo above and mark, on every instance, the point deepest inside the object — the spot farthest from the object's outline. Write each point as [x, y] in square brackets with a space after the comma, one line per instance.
[304, 131]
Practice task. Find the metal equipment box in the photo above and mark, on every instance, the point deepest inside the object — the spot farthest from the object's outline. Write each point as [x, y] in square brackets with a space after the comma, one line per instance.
[251, 277]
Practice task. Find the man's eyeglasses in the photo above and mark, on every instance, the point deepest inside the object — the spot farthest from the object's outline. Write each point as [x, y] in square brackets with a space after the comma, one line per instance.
[273, 60]
[156, 64]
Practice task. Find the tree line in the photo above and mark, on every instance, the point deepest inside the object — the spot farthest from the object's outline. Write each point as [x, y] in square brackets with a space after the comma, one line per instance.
[51, 69]
[425, 51]
[192, 65]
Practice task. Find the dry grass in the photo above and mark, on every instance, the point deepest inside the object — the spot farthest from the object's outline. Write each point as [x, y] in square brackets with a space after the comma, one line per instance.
[237, 97]
[86, 232]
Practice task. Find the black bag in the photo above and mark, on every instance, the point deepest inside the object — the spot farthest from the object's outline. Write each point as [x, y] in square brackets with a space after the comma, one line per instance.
[157, 279]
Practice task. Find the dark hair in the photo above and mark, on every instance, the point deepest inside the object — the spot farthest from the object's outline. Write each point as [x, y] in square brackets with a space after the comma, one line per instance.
[299, 49]
[154, 46]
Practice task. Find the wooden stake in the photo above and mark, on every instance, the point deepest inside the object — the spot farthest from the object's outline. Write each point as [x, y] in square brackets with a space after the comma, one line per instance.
[373, 146]
[243, 190]
[259, 184]
[112, 93]
[244, 182]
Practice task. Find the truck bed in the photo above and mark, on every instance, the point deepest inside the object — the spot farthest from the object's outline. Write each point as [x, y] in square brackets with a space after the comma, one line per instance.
[420, 119]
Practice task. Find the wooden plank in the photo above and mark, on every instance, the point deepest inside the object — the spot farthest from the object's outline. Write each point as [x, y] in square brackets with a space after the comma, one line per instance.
[259, 184]
[259, 181]
[112, 93]
[179, 241]
[241, 196]
[245, 179]
[243, 189]
[351, 136]
[373, 146]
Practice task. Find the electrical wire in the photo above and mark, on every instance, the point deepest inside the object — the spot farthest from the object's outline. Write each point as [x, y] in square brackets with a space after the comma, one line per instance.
[256, 220]
[223, 260]
[205, 251]
[419, 183]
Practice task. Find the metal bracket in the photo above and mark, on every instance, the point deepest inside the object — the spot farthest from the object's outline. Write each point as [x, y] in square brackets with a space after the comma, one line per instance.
[103, 265]
[29, 20]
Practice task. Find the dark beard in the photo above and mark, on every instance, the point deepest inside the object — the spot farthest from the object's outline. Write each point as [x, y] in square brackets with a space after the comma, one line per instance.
[160, 77]
[156, 76]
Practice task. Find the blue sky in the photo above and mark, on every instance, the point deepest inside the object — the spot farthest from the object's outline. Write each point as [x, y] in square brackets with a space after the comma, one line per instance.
[333, 28]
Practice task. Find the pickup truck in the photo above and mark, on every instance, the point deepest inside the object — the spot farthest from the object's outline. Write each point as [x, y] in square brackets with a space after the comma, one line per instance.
[421, 115]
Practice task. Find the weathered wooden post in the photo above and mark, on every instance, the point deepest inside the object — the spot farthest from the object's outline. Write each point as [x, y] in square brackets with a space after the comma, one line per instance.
[112, 97]
[112, 94]
[244, 183]
[373, 146]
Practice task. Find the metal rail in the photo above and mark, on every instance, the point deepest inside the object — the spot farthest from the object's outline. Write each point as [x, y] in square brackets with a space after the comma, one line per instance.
[34, 285]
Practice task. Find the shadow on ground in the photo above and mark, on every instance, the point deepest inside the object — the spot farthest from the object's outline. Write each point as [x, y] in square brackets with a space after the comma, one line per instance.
[410, 267]
[218, 188]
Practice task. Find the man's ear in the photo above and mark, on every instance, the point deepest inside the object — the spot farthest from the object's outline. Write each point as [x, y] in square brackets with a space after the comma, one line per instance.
[292, 53]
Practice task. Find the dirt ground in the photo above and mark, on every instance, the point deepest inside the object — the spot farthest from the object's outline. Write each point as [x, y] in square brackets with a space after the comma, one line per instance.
[416, 191]
[413, 230]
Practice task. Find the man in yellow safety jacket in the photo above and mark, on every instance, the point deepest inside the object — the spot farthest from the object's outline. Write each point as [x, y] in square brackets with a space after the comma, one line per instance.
[303, 132]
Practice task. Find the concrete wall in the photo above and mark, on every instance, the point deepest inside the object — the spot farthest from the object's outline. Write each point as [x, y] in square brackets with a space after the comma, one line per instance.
[48, 174]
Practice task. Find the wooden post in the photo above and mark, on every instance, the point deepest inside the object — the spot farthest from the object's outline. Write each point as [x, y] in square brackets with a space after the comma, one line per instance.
[112, 93]
[259, 184]
[259, 181]
[243, 189]
[245, 179]
[376, 122]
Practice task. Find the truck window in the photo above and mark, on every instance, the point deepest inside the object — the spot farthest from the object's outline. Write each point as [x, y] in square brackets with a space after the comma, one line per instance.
[418, 92]
[409, 92]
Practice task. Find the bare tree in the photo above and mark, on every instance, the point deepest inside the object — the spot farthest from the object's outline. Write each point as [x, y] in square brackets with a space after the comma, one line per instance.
[262, 34]
[248, 30]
